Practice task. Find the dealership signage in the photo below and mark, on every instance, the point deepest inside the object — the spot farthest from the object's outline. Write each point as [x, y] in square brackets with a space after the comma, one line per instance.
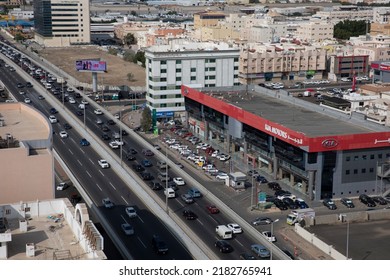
[282, 133]
[164, 114]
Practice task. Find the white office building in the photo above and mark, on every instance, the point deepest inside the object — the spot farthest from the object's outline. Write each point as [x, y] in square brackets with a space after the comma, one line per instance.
[187, 63]
[62, 23]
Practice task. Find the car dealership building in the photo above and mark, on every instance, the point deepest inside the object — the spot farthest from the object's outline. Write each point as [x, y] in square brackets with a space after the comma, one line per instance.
[317, 150]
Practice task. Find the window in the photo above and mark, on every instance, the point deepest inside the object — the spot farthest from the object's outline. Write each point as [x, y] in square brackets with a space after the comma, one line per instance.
[178, 79]
[163, 62]
[178, 70]
[163, 96]
[163, 88]
[371, 170]
[364, 156]
[355, 171]
[163, 71]
[212, 60]
[177, 104]
[348, 159]
[178, 61]
[363, 170]
[356, 158]
[236, 59]
[235, 68]
[178, 96]
[193, 69]
[372, 156]
[346, 172]
[177, 87]
[8, 211]
[193, 78]
[379, 156]
[163, 79]
[163, 105]
[235, 76]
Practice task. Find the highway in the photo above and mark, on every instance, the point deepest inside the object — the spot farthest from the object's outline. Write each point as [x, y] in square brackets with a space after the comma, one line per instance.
[100, 183]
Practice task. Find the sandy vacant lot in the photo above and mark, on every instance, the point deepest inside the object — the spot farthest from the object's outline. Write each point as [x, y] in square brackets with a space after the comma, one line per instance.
[117, 68]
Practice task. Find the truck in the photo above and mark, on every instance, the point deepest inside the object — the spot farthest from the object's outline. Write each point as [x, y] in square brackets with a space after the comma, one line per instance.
[300, 214]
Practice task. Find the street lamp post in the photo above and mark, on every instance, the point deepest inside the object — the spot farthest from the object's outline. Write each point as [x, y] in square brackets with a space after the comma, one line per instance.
[272, 234]
[85, 127]
[347, 249]
[120, 132]
[63, 94]
[166, 181]
[252, 191]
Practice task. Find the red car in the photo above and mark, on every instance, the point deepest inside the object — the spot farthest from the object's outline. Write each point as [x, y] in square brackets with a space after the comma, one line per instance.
[212, 209]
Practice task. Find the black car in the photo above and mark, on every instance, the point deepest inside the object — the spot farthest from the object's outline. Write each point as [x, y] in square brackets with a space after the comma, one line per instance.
[290, 203]
[130, 157]
[329, 204]
[138, 167]
[247, 256]
[261, 179]
[29, 85]
[173, 185]
[146, 176]
[110, 122]
[156, 186]
[380, 200]
[347, 202]
[67, 126]
[159, 245]
[53, 111]
[365, 199]
[280, 192]
[20, 85]
[280, 204]
[79, 113]
[288, 253]
[189, 215]
[105, 136]
[274, 186]
[105, 128]
[131, 151]
[223, 246]
[124, 132]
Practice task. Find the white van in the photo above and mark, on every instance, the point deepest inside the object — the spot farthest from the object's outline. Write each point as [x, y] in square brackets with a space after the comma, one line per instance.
[224, 232]
[170, 193]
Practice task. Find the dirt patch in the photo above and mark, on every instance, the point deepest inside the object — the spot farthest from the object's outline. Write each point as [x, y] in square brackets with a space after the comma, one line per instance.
[117, 68]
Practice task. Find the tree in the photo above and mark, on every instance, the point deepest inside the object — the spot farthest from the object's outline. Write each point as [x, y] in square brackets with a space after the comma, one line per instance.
[129, 39]
[113, 51]
[146, 120]
[19, 37]
[140, 56]
[130, 77]
[133, 13]
[350, 28]
[129, 56]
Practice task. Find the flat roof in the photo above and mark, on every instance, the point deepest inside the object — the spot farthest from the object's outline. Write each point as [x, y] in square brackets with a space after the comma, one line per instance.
[23, 122]
[290, 115]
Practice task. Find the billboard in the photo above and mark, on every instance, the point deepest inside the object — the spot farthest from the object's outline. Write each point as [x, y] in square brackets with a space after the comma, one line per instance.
[91, 65]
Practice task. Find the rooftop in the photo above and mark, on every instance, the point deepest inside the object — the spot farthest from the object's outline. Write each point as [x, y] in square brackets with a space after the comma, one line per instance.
[22, 122]
[290, 115]
[190, 47]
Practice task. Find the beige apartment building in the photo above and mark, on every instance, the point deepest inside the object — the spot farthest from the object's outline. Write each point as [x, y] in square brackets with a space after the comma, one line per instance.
[161, 36]
[315, 31]
[380, 29]
[26, 158]
[276, 62]
[376, 47]
[203, 19]
[338, 14]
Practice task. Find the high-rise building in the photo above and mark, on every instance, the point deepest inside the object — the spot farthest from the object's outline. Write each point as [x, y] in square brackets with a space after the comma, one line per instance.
[61, 23]
[197, 64]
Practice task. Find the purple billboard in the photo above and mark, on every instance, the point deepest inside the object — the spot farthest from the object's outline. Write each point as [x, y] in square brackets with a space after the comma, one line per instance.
[89, 65]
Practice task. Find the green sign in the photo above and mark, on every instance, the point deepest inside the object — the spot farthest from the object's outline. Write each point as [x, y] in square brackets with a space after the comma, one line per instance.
[262, 197]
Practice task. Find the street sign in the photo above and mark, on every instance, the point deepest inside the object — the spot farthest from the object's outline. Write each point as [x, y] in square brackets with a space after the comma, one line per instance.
[262, 197]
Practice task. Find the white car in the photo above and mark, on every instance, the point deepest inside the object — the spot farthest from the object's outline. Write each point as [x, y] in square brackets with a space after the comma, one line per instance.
[215, 153]
[234, 228]
[127, 229]
[222, 176]
[114, 145]
[107, 203]
[85, 102]
[224, 157]
[98, 112]
[63, 134]
[117, 116]
[72, 101]
[27, 100]
[103, 163]
[131, 212]
[52, 119]
[62, 186]
[69, 89]
[119, 142]
[179, 181]
[269, 236]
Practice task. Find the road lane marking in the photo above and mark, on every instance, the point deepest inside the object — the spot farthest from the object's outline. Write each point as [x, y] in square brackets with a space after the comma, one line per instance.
[123, 218]
[124, 200]
[101, 173]
[70, 151]
[79, 162]
[112, 185]
[82, 151]
[141, 242]
[99, 187]
[91, 161]
[73, 140]
[88, 174]
[140, 219]
[200, 222]
[239, 243]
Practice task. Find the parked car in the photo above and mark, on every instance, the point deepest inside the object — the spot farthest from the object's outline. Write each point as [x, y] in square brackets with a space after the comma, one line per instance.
[347, 202]
[138, 167]
[261, 179]
[290, 203]
[301, 203]
[365, 199]
[62, 186]
[274, 186]
[269, 236]
[329, 204]
[280, 204]
[247, 256]
[146, 163]
[223, 246]
[260, 251]
[261, 221]
[380, 200]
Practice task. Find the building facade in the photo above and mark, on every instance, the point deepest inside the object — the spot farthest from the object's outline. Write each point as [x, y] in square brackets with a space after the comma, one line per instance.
[204, 19]
[276, 62]
[346, 66]
[282, 136]
[62, 23]
[26, 158]
[315, 31]
[199, 64]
